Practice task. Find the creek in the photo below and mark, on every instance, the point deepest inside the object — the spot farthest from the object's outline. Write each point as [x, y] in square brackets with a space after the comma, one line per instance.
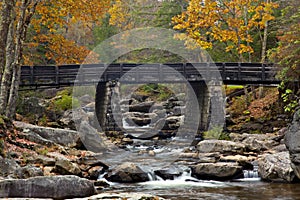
[184, 188]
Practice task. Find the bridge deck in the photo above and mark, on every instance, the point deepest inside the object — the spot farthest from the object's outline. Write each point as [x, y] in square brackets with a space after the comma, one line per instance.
[65, 75]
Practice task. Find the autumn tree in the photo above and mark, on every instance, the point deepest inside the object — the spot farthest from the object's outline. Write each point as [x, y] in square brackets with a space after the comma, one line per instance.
[126, 15]
[131, 14]
[62, 30]
[287, 54]
[229, 22]
[15, 17]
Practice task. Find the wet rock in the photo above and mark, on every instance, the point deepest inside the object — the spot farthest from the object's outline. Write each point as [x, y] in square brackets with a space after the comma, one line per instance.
[141, 107]
[169, 123]
[217, 171]
[127, 173]
[92, 160]
[168, 173]
[292, 142]
[29, 171]
[151, 153]
[94, 172]
[58, 187]
[221, 146]
[65, 167]
[127, 196]
[137, 121]
[276, 168]
[60, 136]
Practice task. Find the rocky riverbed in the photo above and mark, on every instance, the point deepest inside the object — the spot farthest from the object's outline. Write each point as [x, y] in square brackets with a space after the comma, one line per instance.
[44, 162]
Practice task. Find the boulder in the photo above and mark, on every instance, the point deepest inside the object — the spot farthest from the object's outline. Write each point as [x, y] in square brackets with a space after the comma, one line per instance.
[255, 144]
[94, 172]
[65, 167]
[30, 171]
[127, 173]
[168, 173]
[57, 187]
[8, 168]
[60, 136]
[33, 137]
[221, 146]
[292, 142]
[276, 168]
[217, 171]
[92, 160]
[72, 118]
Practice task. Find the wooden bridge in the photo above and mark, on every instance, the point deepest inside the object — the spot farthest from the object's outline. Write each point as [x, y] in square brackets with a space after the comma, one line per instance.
[34, 77]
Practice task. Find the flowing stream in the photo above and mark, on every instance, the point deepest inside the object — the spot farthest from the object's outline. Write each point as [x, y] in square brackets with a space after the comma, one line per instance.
[186, 187]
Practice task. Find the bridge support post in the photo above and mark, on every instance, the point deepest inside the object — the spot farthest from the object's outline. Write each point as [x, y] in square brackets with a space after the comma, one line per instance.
[216, 100]
[101, 104]
[107, 108]
[210, 101]
[202, 94]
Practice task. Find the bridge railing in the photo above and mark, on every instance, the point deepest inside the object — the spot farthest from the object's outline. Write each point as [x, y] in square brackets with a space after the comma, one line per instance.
[231, 73]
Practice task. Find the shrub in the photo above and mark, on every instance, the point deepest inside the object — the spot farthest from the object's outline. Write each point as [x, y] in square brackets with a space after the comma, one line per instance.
[66, 102]
[157, 92]
[216, 133]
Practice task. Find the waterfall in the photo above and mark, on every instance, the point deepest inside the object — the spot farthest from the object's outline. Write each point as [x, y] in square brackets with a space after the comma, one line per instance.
[251, 174]
[153, 177]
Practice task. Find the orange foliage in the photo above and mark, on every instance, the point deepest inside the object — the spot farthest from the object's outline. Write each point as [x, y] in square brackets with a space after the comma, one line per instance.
[64, 28]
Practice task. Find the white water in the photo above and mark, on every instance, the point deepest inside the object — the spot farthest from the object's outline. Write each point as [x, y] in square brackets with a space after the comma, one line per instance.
[251, 175]
[185, 180]
[127, 126]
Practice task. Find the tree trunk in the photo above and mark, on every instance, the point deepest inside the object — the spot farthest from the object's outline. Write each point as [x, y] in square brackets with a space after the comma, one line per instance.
[5, 20]
[8, 70]
[26, 12]
[263, 54]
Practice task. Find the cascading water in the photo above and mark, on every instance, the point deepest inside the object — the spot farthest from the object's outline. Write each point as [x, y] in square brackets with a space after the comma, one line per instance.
[251, 174]
[184, 180]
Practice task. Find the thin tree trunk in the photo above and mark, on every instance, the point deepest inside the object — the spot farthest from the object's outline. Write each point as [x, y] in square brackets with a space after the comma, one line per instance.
[5, 20]
[21, 31]
[8, 70]
[263, 54]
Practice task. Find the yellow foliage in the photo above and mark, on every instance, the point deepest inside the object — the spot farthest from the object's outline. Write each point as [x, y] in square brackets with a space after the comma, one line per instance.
[228, 21]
